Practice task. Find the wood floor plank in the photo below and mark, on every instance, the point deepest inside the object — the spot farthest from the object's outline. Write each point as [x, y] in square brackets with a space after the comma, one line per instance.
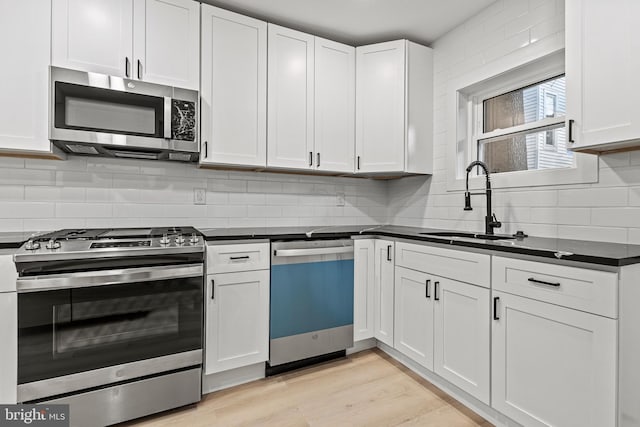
[365, 389]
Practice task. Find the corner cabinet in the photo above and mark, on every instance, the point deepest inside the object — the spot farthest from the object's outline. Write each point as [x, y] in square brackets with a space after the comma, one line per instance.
[394, 108]
[25, 43]
[363, 299]
[234, 89]
[383, 290]
[237, 306]
[150, 40]
[311, 103]
[602, 75]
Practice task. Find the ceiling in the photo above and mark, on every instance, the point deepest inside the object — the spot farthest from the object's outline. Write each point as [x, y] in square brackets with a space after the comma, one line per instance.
[359, 22]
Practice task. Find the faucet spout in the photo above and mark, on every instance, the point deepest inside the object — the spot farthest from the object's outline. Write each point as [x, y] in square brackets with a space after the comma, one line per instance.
[490, 221]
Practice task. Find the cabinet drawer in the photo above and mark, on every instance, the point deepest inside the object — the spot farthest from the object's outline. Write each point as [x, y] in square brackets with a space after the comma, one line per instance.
[239, 257]
[463, 266]
[592, 291]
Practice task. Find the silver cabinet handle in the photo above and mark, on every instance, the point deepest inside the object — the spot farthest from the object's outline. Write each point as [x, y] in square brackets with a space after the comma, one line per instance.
[126, 66]
[310, 158]
[139, 70]
[318, 160]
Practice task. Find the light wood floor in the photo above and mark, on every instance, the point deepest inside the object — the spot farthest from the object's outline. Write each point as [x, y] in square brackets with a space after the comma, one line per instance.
[366, 389]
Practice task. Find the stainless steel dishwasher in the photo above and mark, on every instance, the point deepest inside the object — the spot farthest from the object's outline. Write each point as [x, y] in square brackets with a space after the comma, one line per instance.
[311, 308]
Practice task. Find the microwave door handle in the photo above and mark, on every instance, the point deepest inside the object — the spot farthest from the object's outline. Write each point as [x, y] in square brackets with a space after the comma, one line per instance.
[167, 117]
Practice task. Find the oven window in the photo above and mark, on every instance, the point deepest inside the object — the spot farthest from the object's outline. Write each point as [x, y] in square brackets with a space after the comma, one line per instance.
[61, 332]
[107, 110]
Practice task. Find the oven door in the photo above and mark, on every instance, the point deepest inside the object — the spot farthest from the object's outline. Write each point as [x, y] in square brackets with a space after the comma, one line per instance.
[82, 330]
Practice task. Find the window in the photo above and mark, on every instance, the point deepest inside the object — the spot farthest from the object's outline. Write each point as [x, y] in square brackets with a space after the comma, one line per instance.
[523, 129]
[511, 114]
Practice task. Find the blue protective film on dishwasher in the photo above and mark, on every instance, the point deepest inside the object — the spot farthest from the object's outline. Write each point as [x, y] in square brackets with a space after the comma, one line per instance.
[310, 297]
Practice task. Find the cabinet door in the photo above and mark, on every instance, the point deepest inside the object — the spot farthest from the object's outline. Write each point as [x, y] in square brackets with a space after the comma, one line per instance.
[602, 69]
[383, 291]
[553, 365]
[166, 36]
[335, 106]
[413, 316]
[380, 105]
[93, 35]
[363, 311]
[462, 336]
[237, 320]
[290, 108]
[234, 89]
[25, 35]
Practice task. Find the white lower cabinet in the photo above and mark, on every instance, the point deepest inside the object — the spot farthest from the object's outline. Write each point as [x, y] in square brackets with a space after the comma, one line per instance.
[237, 320]
[383, 298]
[553, 366]
[413, 319]
[363, 277]
[462, 336]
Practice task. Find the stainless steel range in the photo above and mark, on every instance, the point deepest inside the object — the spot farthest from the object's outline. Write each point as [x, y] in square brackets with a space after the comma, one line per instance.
[110, 321]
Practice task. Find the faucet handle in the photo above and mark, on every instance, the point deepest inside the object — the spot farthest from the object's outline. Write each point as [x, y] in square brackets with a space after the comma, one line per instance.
[495, 223]
[467, 201]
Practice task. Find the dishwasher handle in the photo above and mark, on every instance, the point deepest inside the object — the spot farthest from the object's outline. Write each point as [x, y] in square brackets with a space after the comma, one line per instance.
[313, 251]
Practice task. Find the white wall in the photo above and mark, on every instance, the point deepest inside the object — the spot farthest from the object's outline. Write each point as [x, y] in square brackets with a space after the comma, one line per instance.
[606, 211]
[39, 195]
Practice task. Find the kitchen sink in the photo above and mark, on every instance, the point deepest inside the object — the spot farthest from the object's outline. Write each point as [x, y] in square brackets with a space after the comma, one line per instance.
[456, 234]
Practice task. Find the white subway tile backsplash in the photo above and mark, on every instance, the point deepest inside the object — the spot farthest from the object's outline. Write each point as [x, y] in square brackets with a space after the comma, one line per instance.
[27, 210]
[616, 217]
[83, 210]
[11, 192]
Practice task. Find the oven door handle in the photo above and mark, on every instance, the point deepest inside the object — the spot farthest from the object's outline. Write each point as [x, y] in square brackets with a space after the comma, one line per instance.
[313, 251]
[107, 277]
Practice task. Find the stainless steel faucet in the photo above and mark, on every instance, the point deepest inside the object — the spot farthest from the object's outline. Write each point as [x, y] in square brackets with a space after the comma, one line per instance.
[490, 221]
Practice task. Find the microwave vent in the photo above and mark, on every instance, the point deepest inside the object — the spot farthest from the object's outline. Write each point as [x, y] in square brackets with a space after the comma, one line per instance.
[81, 149]
[181, 157]
[135, 155]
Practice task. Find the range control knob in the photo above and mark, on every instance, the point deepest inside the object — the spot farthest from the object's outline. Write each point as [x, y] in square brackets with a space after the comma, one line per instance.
[179, 239]
[194, 239]
[165, 240]
[32, 245]
[53, 244]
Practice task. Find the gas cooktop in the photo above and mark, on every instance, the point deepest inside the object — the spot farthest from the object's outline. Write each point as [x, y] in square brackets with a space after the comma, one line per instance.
[110, 242]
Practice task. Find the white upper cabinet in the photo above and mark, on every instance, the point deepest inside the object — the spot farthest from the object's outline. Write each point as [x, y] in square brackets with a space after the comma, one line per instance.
[151, 40]
[290, 101]
[25, 37]
[166, 36]
[603, 74]
[93, 35]
[394, 108]
[335, 106]
[234, 89]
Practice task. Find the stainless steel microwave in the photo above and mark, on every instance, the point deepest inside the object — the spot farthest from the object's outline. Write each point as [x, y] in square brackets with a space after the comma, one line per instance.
[101, 115]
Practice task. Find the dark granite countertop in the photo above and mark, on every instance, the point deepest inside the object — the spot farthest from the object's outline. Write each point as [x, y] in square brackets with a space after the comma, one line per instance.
[603, 253]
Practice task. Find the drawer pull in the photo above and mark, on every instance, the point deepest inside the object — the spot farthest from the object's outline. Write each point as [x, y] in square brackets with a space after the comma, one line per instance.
[236, 258]
[436, 291]
[388, 252]
[213, 289]
[495, 308]
[542, 282]
[426, 292]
